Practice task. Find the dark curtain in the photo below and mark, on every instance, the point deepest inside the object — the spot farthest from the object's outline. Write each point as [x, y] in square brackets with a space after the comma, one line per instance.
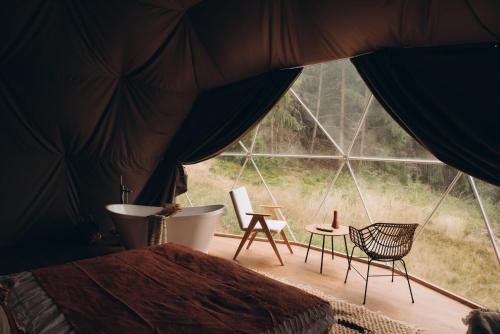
[447, 98]
[218, 119]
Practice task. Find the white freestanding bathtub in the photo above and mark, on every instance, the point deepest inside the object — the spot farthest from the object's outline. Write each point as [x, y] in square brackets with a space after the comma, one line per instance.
[193, 227]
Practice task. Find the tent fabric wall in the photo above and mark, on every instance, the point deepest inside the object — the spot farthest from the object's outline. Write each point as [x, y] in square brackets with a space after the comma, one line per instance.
[91, 90]
[239, 107]
[447, 98]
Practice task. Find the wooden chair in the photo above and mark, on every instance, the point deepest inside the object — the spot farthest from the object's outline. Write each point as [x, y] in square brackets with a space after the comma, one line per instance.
[252, 223]
[382, 242]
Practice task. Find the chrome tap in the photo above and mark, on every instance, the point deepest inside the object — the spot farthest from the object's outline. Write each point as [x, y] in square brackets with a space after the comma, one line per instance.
[124, 191]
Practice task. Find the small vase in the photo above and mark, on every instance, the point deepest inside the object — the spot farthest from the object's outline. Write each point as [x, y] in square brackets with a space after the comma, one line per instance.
[335, 223]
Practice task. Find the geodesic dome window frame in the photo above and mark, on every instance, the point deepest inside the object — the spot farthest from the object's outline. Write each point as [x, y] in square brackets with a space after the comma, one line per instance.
[341, 153]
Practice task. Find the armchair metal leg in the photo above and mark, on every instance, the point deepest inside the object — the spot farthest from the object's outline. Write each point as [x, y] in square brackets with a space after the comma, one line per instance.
[349, 259]
[367, 277]
[408, 280]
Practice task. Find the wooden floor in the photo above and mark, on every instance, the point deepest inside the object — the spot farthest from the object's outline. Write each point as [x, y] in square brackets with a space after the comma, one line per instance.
[432, 311]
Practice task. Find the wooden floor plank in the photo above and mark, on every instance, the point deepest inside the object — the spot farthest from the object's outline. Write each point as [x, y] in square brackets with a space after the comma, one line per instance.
[432, 310]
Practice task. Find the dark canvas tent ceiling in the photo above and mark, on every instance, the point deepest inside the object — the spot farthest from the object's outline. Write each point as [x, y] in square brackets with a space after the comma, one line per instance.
[91, 90]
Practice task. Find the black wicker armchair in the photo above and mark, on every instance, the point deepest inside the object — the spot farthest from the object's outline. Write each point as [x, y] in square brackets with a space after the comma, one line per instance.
[382, 242]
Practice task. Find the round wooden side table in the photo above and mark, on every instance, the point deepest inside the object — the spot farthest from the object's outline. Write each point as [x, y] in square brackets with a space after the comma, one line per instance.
[342, 231]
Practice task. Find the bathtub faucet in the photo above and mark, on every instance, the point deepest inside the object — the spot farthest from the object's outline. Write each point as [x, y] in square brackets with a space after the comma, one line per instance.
[124, 191]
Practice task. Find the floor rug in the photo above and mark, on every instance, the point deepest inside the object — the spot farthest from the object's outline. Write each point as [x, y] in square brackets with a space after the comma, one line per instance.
[352, 318]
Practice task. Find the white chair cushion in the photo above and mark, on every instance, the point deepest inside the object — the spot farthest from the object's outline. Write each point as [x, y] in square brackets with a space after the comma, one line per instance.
[274, 225]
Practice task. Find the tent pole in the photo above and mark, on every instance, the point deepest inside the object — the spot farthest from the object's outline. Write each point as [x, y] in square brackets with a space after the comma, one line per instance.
[448, 190]
[485, 217]
[306, 108]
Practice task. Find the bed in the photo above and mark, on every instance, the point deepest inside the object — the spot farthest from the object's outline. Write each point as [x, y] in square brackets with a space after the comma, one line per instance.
[159, 289]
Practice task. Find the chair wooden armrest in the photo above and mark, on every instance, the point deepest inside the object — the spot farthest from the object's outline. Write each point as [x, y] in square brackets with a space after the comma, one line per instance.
[271, 206]
[273, 210]
[258, 214]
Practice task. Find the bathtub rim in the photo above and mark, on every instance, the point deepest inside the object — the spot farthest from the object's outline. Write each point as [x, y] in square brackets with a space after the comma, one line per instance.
[218, 209]
[213, 210]
[109, 206]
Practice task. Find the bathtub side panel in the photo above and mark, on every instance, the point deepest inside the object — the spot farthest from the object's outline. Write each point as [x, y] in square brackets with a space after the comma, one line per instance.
[195, 232]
